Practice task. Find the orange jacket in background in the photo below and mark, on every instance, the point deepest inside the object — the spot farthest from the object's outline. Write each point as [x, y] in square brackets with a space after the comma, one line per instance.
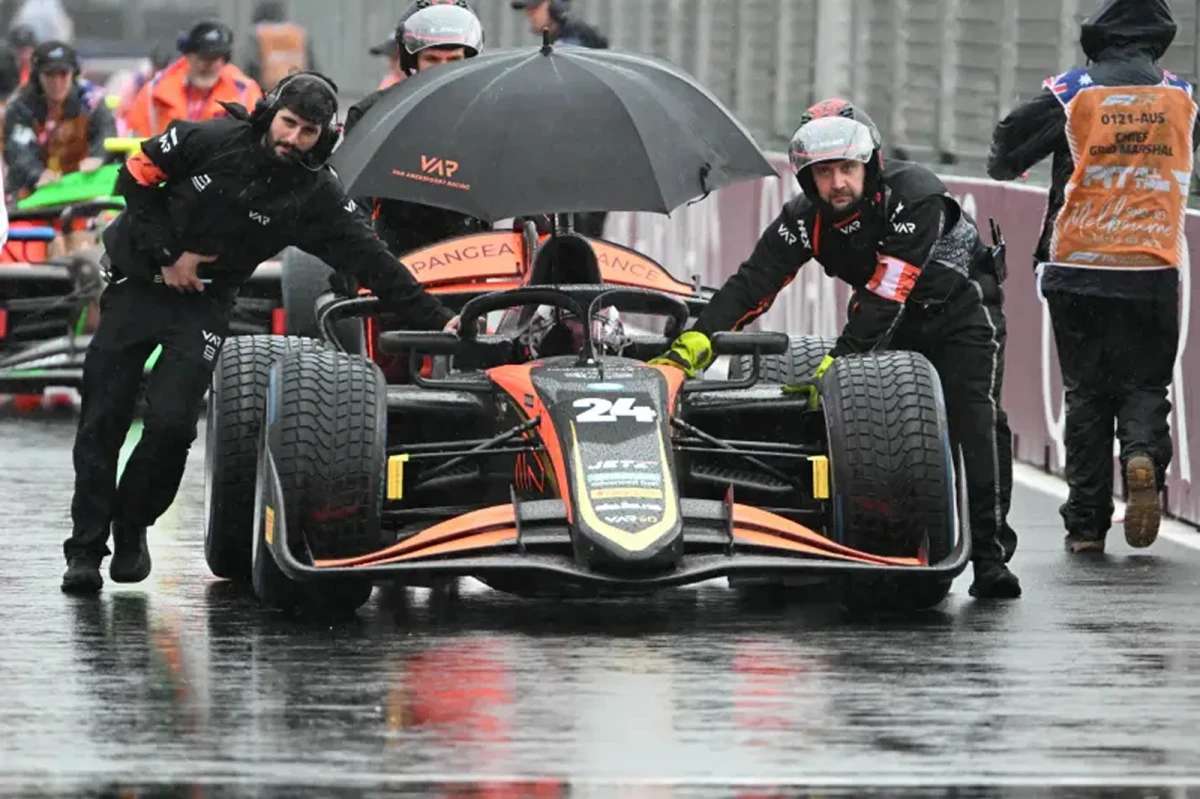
[165, 99]
[282, 48]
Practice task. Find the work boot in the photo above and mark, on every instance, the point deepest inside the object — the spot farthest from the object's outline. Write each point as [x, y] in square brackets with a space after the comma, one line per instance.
[83, 574]
[1085, 541]
[993, 580]
[1143, 512]
[131, 559]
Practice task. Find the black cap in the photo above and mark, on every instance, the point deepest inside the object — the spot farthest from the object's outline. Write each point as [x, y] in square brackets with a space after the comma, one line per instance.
[54, 55]
[22, 36]
[519, 5]
[388, 47]
[210, 39]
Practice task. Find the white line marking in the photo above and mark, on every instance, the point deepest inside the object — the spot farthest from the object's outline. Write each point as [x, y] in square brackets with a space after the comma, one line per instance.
[1174, 531]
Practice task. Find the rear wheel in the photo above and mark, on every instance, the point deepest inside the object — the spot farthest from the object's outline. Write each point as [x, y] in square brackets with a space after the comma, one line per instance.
[236, 405]
[799, 363]
[328, 436]
[304, 279]
[892, 475]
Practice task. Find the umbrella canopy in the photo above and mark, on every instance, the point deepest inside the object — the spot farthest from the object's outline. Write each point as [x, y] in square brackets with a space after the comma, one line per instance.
[552, 130]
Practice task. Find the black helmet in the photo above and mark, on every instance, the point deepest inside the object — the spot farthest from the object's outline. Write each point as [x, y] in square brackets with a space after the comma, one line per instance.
[437, 23]
[836, 130]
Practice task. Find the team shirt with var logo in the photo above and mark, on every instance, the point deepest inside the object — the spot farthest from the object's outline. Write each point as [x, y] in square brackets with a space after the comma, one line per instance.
[913, 245]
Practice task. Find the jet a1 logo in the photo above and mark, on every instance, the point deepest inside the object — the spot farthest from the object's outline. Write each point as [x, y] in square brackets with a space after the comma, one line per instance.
[441, 167]
[602, 410]
[260, 218]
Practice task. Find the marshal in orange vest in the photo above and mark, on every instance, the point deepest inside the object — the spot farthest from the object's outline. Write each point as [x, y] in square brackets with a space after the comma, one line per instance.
[1126, 201]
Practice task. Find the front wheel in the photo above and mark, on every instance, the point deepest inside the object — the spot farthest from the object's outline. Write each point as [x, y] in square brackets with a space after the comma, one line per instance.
[328, 440]
[893, 479]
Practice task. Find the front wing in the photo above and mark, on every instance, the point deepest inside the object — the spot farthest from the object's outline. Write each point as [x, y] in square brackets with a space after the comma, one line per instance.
[721, 539]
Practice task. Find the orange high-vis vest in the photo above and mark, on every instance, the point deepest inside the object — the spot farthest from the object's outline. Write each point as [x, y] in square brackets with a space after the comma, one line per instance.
[282, 48]
[166, 98]
[1126, 202]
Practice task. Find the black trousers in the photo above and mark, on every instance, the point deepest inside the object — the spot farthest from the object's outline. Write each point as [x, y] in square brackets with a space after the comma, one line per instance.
[1117, 358]
[993, 301]
[963, 342]
[136, 317]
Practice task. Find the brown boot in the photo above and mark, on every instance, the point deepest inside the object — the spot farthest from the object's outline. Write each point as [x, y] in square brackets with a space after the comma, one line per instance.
[1143, 511]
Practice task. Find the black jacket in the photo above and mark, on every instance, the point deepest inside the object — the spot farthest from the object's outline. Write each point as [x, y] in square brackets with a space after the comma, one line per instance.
[24, 156]
[212, 188]
[402, 225]
[1123, 40]
[580, 33]
[914, 248]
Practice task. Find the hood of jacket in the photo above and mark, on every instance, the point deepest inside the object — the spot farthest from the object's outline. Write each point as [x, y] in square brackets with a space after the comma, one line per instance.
[1145, 25]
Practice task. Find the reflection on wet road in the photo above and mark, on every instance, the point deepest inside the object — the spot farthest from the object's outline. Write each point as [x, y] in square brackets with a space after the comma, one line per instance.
[1091, 678]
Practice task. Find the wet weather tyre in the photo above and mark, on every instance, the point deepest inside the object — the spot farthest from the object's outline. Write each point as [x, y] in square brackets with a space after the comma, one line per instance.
[798, 364]
[303, 279]
[328, 436]
[893, 483]
[236, 409]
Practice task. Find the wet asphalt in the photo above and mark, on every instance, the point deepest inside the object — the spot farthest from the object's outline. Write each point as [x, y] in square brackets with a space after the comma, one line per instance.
[182, 686]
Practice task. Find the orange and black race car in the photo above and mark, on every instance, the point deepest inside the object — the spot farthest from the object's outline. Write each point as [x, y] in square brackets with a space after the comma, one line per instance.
[572, 468]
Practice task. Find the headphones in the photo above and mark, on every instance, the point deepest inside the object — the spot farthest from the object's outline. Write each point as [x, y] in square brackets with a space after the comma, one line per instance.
[331, 130]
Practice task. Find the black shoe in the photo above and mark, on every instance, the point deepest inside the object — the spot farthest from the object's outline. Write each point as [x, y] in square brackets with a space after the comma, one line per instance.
[993, 580]
[131, 559]
[83, 574]
[1085, 542]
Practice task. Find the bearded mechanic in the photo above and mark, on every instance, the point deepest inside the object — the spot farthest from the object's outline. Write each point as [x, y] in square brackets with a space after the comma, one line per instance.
[227, 194]
[897, 236]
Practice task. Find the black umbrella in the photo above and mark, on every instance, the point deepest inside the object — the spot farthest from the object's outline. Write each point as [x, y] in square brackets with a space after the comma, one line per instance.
[552, 130]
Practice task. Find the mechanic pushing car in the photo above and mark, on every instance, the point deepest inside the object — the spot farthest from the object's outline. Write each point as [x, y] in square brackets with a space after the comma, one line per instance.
[897, 236]
[431, 33]
[228, 194]
[1122, 132]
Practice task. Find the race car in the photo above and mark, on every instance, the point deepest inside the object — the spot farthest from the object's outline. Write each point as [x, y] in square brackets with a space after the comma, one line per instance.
[583, 471]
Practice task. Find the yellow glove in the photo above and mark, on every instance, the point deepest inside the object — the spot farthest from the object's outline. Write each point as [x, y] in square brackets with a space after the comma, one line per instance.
[691, 352]
[809, 387]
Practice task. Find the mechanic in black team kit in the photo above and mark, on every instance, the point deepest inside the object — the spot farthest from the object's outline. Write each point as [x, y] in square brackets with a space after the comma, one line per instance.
[226, 194]
[897, 236]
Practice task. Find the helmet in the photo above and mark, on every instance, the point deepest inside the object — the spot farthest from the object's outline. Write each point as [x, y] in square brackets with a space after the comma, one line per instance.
[437, 23]
[836, 130]
[311, 96]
